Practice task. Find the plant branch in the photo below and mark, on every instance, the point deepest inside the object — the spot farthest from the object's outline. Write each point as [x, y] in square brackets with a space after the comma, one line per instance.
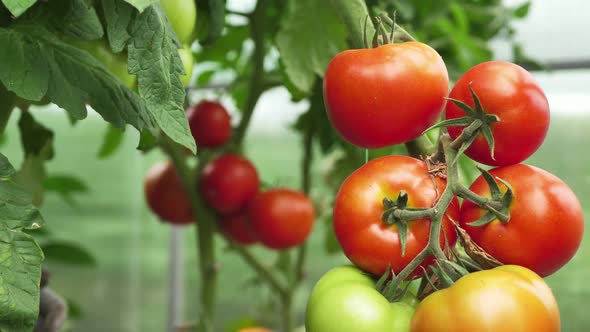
[204, 231]
[255, 84]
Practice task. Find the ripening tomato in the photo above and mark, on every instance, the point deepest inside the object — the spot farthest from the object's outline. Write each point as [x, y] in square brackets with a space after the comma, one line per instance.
[210, 124]
[510, 92]
[186, 56]
[345, 300]
[281, 218]
[229, 183]
[507, 298]
[386, 95]
[546, 222]
[165, 195]
[238, 228]
[369, 242]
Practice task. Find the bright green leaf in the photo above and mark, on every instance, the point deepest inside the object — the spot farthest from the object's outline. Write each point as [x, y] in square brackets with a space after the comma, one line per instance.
[112, 140]
[64, 184]
[309, 37]
[153, 57]
[18, 7]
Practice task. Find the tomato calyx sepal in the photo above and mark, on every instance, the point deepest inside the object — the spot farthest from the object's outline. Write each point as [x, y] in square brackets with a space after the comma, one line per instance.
[498, 207]
[398, 214]
[392, 289]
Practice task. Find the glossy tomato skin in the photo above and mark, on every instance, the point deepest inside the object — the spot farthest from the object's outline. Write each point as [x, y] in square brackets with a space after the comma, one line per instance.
[510, 92]
[281, 218]
[365, 239]
[386, 95]
[165, 196]
[210, 124]
[546, 222]
[507, 298]
[229, 183]
[237, 227]
[345, 300]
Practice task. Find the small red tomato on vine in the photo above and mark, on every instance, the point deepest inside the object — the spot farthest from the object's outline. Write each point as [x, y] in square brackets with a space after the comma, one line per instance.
[545, 224]
[366, 239]
[512, 94]
[229, 183]
[237, 227]
[165, 195]
[386, 95]
[210, 124]
[506, 298]
[281, 218]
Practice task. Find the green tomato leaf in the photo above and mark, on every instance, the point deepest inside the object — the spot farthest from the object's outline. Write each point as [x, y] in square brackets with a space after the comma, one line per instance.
[352, 14]
[216, 10]
[18, 7]
[154, 58]
[20, 268]
[35, 138]
[522, 10]
[68, 253]
[305, 57]
[141, 5]
[118, 15]
[64, 185]
[6, 169]
[112, 140]
[80, 19]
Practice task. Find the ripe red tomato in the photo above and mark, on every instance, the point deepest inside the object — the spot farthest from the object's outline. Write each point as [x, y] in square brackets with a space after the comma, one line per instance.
[506, 298]
[546, 220]
[209, 123]
[281, 218]
[229, 183]
[237, 227]
[386, 95]
[165, 195]
[365, 239]
[511, 93]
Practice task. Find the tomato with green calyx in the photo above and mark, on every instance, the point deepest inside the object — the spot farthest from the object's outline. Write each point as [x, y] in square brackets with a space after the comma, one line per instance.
[545, 224]
[186, 56]
[165, 195]
[183, 17]
[507, 298]
[238, 228]
[366, 239]
[229, 183]
[210, 124]
[386, 95]
[281, 218]
[345, 300]
[512, 94]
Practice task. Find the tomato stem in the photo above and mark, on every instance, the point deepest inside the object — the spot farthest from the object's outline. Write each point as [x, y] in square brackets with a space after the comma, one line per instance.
[400, 33]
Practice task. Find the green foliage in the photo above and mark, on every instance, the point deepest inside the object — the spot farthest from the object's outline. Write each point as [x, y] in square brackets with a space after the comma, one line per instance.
[20, 256]
[112, 140]
[18, 7]
[67, 253]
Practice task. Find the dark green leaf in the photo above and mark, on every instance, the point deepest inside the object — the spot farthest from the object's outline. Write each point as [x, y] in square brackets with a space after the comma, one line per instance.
[216, 10]
[118, 15]
[68, 253]
[6, 169]
[305, 57]
[147, 141]
[80, 19]
[141, 5]
[36, 139]
[154, 58]
[112, 140]
[64, 184]
[522, 10]
[18, 7]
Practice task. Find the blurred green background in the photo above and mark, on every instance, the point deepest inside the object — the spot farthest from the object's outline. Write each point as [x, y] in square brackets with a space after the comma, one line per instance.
[127, 289]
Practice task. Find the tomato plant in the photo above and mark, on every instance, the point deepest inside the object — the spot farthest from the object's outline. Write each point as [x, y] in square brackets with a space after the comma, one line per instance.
[345, 300]
[210, 124]
[165, 195]
[385, 95]
[545, 226]
[281, 218]
[369, 242]
[507, 297]
[186, 56]
[512, 94]
[183, 17]
[237, 227]
[229, 183]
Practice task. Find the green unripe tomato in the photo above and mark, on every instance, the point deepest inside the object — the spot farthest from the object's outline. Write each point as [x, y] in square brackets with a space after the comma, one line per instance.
[186, 55]
[183, 16]
[345, 300]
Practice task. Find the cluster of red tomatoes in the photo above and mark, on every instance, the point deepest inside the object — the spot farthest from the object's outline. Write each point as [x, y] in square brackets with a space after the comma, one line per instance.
[279, 218]
[391, 94]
